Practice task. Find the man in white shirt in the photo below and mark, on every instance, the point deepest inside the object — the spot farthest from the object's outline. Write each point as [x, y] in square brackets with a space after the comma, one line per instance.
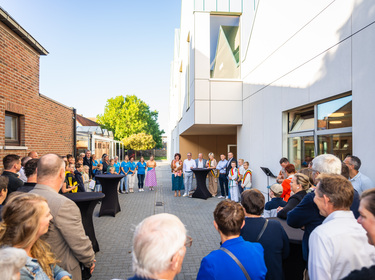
[188, 165]
[339, 245]
[200, 162]
[359, 181]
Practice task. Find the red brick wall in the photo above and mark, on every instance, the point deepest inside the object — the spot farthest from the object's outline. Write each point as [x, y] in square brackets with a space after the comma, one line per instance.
[46, 126]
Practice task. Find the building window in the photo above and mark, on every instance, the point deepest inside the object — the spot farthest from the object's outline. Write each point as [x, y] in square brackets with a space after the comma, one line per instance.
[12, 129]
[225, 47]
[322, 128]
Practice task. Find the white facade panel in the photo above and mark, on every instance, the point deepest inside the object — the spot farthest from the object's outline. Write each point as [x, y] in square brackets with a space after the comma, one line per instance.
[202, 112]
[187, 120]
[235, 6]
[363, 14]
[224, 90]
[226, 112]
[364, 98]
[223, 6]
[198, 5]
[210, 5]
[202, 90]
[202, 45]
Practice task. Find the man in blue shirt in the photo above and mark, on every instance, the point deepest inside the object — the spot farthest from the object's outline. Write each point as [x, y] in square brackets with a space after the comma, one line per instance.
[229, 218]
[223, 180]
[359, 181]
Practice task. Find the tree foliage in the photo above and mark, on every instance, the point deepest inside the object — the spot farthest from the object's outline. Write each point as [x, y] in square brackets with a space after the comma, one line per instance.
[138, 142]
[130, 115]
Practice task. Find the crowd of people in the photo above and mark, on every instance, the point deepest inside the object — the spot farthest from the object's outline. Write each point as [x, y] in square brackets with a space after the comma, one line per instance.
[329, 199]
[232, 176]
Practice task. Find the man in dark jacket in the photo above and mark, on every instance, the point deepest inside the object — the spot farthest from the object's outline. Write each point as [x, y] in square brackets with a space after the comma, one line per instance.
[87, 160]
[12, 165]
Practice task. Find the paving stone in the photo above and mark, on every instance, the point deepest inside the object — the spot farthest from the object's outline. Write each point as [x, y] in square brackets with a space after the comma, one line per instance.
[114, 234]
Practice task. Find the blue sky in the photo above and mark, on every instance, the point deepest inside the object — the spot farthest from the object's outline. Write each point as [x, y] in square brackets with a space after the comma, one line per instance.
[102, 49]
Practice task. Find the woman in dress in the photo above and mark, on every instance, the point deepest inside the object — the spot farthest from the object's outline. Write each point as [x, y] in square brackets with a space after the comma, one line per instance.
[177, 178]
[151, 174]
[212, 175]
[141, 170]
[26, 218]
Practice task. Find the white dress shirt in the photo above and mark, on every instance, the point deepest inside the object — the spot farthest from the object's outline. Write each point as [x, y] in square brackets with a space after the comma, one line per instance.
[338, 246]
[187, 165]
[200, 164]
[361, 183]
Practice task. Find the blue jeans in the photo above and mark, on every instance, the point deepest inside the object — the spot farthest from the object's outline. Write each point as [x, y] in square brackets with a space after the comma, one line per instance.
[98, 187]
[141, 179]
[124, 184]
[223, 180]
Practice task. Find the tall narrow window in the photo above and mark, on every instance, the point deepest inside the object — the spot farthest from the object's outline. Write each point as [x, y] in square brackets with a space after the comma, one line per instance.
[12, 124]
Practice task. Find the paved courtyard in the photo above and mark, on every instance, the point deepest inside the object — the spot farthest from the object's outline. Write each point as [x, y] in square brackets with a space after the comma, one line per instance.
[114, 261]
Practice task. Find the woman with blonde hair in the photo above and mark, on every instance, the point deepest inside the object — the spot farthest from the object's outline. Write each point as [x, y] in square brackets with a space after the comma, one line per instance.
[213, 174]
[26, 218]
[299, 185]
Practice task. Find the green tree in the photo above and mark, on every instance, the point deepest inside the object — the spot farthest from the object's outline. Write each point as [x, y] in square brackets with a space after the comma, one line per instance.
[130, 115]
[139, 142]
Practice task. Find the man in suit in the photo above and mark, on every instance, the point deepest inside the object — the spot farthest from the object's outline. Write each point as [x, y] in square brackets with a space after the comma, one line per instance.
[200, 162]
[66, 235]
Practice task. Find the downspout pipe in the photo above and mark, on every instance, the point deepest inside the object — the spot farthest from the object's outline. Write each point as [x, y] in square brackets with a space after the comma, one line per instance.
[74, 132]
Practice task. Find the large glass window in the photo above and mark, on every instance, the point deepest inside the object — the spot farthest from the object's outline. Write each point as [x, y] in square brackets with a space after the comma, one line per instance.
[224, 47]
[310, 130]
[335, 114]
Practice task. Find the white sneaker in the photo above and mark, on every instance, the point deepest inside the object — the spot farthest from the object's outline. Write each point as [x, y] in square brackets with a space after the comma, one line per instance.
[226, 197]
[185, 194]
[220, 196]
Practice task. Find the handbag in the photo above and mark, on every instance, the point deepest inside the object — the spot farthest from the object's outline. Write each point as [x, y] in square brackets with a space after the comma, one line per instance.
[237, 262]
[86, 274]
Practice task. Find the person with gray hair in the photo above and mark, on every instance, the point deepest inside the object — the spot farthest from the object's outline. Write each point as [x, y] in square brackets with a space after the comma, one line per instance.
[159, 247]
[66, 234]
[359, 181]
[306, 213]
[11, 262]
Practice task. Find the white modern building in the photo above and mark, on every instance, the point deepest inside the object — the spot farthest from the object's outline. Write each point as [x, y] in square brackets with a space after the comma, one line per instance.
[267, 79]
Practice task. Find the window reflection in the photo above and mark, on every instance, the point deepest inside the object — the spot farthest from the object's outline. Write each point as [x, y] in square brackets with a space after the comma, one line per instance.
[301, 150]
[339, 145]
[300, 120]
[335, 114]
[225, 47]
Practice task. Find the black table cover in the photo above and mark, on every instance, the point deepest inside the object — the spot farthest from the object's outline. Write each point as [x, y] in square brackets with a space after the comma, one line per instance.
[86, 202]
[293, 265]
[110, 205]
[201, 191]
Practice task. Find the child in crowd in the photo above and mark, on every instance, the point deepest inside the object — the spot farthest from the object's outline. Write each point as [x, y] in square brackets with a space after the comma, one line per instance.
[233, 183]
[79, 160]
[111, 170]
[70, 180]
[246, 177]
[270, 209]
[98, 171]
[78, 176]
[86, 177]
[111, 164]
[241, 172]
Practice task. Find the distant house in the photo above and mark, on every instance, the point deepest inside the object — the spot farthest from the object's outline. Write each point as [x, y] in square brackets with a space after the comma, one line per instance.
[28, 119]
[100, 141]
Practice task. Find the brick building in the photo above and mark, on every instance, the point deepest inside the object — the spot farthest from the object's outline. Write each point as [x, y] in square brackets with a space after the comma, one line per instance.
[28, 119]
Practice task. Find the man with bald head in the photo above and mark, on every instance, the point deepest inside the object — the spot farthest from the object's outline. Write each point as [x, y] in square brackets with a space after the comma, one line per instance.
[66, 234]
[33, 154]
